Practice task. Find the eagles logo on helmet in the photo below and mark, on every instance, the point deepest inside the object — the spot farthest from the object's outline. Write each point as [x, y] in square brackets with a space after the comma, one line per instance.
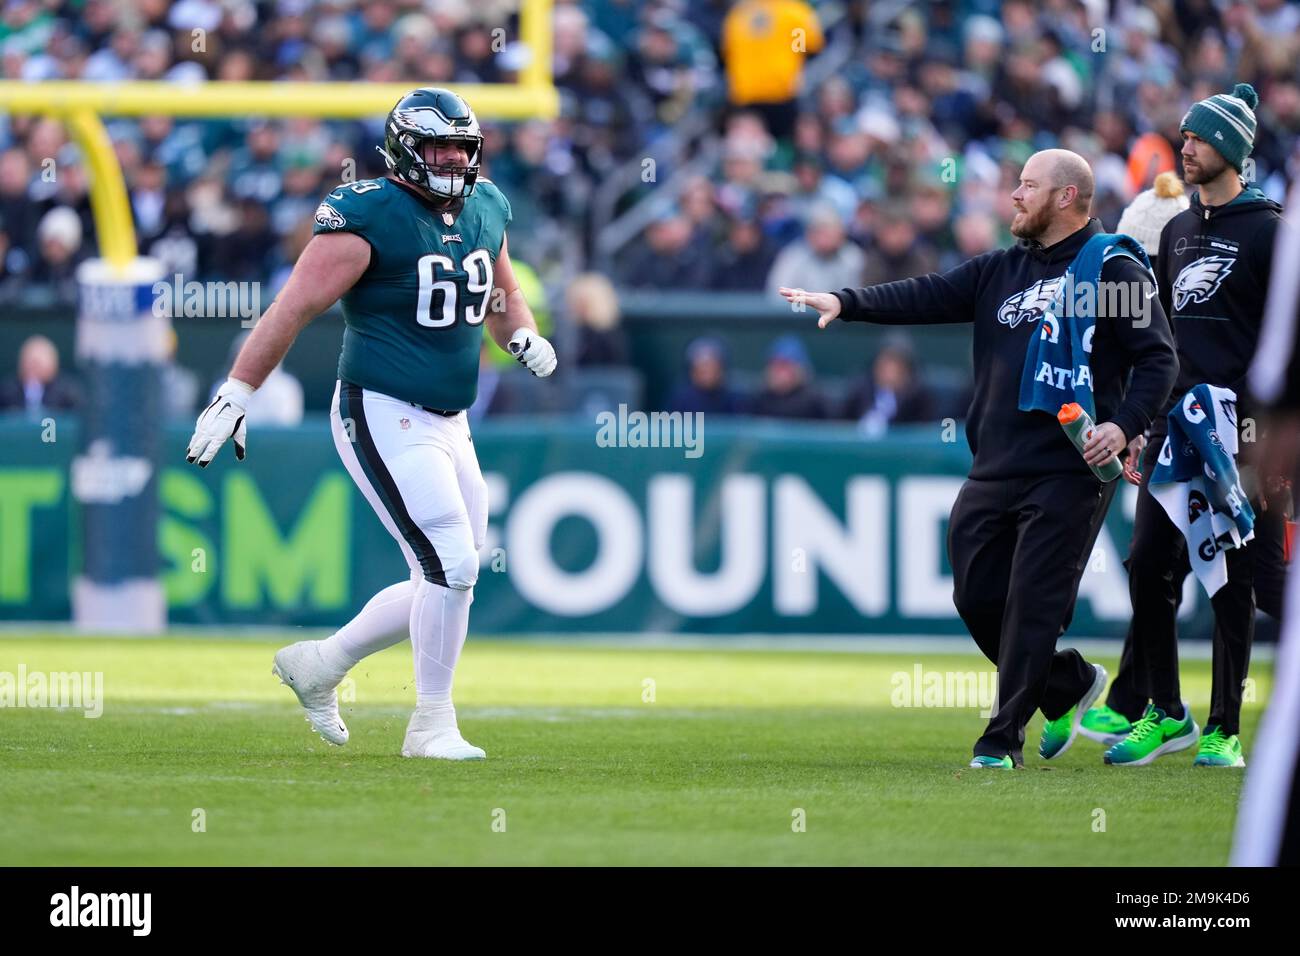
[436, 114]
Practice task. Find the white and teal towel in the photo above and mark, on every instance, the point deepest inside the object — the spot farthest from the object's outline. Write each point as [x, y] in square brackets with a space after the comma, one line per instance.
[1057, 366]
[1196, 481]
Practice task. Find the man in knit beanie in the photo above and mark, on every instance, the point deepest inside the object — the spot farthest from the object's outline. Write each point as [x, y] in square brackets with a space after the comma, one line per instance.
[1225, 122]
[1213, 263]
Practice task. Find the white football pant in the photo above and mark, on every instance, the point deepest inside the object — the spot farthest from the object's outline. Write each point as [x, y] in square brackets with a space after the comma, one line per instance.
[419, 471]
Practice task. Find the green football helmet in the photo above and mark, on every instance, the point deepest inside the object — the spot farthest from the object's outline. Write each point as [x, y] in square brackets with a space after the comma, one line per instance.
[432, 113]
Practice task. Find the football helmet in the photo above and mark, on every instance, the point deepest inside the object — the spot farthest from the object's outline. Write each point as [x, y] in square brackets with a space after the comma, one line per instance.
[432, 113]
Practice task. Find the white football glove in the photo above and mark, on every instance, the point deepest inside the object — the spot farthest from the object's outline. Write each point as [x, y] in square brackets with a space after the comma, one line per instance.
[533, 352]
[223, 419]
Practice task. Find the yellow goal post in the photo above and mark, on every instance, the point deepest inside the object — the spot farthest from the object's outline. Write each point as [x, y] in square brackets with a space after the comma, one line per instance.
[81, 106]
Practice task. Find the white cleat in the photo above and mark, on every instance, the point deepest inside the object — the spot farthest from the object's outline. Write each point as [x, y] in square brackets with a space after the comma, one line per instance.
[299, 666]
[427, 738]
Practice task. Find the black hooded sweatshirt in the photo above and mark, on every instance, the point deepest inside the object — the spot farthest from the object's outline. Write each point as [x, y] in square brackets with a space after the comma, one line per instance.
[1213, 267]
[1003, 293]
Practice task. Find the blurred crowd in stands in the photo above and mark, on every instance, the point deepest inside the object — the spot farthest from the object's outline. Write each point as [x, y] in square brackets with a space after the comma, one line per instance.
[833, 144]
[889, 393]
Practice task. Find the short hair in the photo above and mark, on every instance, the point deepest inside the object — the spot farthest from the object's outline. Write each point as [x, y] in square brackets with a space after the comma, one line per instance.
[1066, 168]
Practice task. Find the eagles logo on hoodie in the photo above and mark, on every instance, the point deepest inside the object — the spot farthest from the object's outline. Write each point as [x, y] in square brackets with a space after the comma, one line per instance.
[1029, 304]
[1199, 280]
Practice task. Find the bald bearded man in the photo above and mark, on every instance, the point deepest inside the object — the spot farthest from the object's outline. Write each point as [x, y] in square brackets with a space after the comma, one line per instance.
[1024, 524]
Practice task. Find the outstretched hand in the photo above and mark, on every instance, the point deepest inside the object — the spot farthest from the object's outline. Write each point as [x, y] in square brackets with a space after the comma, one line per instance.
[825, 303]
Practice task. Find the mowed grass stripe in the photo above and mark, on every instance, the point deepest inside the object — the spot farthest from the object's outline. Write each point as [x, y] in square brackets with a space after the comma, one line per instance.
[584, 768]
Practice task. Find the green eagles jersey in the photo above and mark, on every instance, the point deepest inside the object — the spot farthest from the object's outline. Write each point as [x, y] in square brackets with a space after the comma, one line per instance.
[415, 317]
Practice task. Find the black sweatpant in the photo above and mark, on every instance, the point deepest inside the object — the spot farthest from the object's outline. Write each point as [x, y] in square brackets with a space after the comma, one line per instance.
[1157, 566]
[1018, 548]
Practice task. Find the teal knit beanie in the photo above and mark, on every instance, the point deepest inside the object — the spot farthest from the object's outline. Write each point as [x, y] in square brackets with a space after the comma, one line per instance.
[1227, 122]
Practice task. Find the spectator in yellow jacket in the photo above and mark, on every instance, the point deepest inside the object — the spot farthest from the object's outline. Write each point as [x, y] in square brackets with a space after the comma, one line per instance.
[764, 43]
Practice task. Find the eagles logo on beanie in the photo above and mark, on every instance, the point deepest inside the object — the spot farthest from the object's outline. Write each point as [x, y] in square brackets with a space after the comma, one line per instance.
[1227, 122]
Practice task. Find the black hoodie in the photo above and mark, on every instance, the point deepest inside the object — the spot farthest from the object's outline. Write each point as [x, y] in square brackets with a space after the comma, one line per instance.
[1213, 268]
[1002, 293]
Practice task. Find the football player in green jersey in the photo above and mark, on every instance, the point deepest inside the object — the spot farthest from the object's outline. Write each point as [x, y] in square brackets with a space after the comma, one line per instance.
[420, 261]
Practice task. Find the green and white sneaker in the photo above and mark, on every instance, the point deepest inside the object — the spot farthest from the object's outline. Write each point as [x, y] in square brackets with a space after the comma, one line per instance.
[1059, 734]
[993, 763]
[1105, 725]
[1217, 749]
[1154, 734]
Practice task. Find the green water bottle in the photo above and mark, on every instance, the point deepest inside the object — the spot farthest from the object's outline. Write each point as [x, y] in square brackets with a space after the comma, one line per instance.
[1078, 426]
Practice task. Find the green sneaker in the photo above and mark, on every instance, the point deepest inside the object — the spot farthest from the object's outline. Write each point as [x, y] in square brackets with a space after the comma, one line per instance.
[1217, 749]
[1058, 734]
[1154, 734]
[993, 763]
[1105, 725]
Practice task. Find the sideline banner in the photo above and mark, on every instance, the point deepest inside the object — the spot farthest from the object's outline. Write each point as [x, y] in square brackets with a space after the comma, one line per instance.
[757, 528]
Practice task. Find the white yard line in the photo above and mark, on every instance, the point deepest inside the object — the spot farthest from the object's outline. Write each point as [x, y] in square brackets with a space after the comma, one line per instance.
[906, 644]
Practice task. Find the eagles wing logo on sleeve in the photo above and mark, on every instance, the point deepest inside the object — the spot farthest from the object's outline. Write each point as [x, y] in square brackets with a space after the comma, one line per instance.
[329, 217]
[1200, 279]
[1029, 304]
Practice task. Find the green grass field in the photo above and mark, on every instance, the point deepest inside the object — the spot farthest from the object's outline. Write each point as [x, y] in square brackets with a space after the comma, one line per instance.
[581, 770]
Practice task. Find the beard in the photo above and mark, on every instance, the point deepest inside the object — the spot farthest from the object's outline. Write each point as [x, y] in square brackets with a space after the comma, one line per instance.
[1203, 172]
[1031, 225]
